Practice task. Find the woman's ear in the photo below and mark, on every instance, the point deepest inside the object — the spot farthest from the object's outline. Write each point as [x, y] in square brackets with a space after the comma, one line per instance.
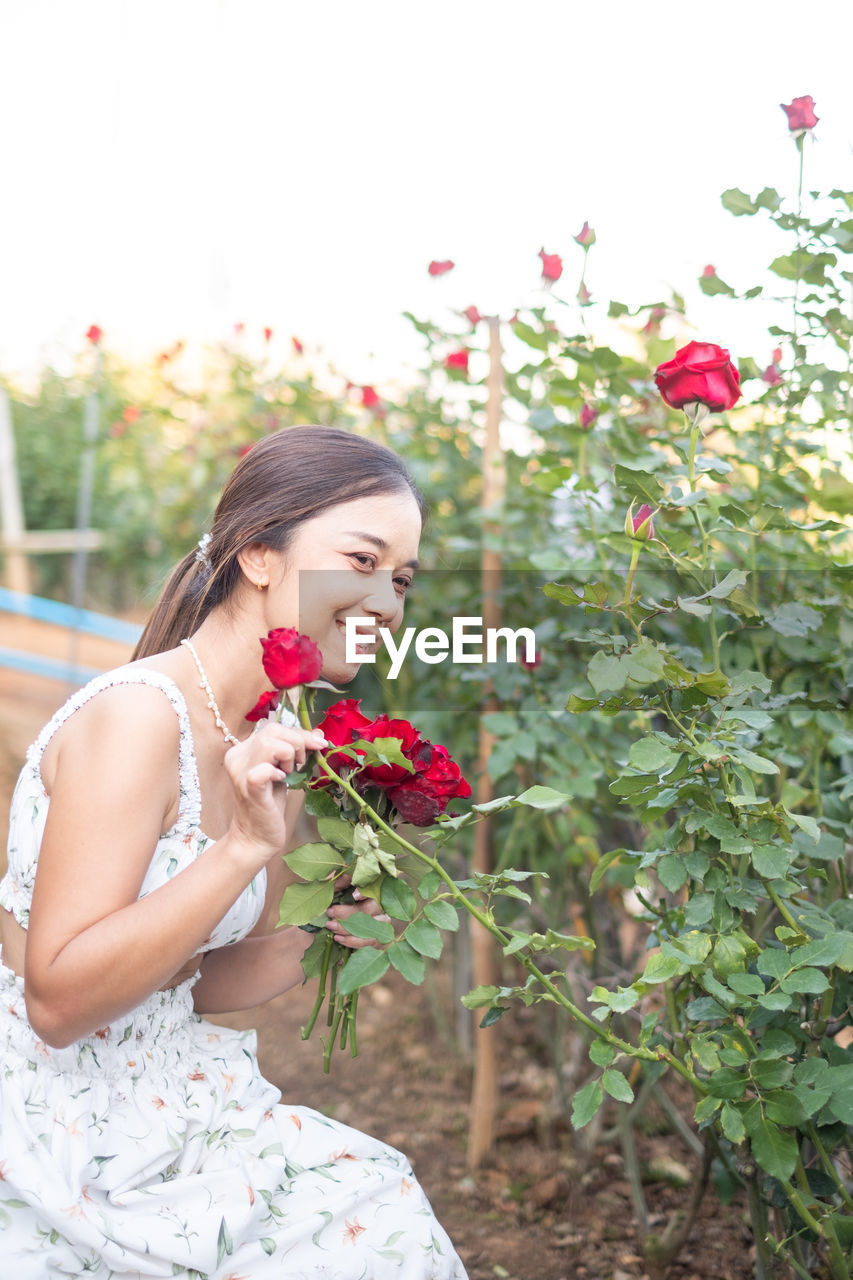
[254, 560]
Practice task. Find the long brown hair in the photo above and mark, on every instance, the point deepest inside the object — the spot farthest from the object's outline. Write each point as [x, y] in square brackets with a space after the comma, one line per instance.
[283, 480]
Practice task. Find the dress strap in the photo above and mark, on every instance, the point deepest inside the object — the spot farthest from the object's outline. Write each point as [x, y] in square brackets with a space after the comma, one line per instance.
[189, 808]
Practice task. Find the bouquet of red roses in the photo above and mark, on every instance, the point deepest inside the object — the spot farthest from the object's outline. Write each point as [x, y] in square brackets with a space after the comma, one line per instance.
[374, 777]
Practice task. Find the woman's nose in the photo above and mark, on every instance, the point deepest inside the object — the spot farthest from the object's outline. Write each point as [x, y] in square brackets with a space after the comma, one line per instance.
[381, 598]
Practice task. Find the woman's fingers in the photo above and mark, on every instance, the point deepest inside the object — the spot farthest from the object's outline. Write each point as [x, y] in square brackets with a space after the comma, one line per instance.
[338, 915]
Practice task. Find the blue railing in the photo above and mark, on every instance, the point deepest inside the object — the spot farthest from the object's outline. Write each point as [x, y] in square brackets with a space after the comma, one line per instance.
[61, 615]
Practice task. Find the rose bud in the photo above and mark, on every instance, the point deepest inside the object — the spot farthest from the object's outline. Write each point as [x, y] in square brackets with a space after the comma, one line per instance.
[800, 113]
[94, 334]
[552, 265]
[369, 398]
[297, 346]
[589, 414]
[640, 527]
[700, 373]
[585, 237]
[439, 268]
[709, 271]
[472, 315]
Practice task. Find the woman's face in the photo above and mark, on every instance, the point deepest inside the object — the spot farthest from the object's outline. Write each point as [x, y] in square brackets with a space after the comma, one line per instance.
[356, 560]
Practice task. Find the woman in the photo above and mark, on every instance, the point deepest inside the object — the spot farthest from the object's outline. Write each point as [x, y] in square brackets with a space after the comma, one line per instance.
[144, 875]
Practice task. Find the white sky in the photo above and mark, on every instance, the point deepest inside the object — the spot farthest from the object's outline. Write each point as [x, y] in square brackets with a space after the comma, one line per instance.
[172, 167]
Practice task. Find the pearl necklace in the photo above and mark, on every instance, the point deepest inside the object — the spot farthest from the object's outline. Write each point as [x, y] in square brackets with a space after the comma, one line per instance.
[204, 684]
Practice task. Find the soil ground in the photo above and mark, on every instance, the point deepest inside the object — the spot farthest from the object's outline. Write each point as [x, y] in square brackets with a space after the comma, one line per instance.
[544, 1206]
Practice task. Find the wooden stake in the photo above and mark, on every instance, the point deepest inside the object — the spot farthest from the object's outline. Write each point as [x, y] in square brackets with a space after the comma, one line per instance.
[17, 573]
[484, 961]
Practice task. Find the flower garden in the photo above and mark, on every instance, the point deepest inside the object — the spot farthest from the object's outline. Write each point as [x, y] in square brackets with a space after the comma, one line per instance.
[656, 855]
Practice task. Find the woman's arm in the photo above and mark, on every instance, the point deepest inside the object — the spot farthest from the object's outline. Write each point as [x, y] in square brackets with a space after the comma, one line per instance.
[252, 971]
[94, 949]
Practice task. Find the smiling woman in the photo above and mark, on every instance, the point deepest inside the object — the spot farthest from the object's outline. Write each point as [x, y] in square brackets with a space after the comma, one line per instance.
[145, 870]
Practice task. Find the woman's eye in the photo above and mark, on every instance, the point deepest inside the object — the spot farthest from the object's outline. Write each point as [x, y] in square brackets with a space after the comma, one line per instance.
[366, 561]
[404, 585]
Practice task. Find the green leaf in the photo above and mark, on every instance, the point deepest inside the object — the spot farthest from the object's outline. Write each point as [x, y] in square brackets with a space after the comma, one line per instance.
[540, 797]
[361, 925]
[363, 967]
[672, 872]
[336, 831]
[660, 968]
[480, 996]
[397, 899]
[805, 982]
[602, 1053]
[732, 1123]
[774, 1150]
[606, 674]
[794, 619]
[302, 903]
[738, 202]
[640, 484]
[586, 1103]
[758, 764]
[645, 663]
[407, 962]
[443, 915]
[841, 1102]
[316, 861]
[650, 755]
[616, 1084]
[771, 861]
[782, 1106]
[424, 937]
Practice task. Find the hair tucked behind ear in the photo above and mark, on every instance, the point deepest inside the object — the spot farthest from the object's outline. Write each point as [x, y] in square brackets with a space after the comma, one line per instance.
[284, 480]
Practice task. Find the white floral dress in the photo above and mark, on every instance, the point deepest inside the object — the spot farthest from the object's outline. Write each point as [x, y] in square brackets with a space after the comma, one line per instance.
[154, 1147]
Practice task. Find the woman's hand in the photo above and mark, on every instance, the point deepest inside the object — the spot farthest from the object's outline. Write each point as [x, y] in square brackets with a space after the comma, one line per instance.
[258, 770]
[339, 912]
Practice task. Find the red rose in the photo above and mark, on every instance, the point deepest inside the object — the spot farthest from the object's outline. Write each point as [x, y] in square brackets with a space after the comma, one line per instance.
[457, 360]
[343, 722]
[777, 355]
[424, 795]
[589, 413]
[369, 398]
[297, 346]
[267, 334]
[585, 237]
[552, 265]
[439, 268]
[532, 666]
[412, 746]
[700, 373]
[472, 315]
[94, 334]
[771, 376]
[800, 114]
[264, 705]
[290, 658]
[709, 271]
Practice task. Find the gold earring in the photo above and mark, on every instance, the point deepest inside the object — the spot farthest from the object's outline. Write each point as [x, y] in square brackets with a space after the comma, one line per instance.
[261, 585]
